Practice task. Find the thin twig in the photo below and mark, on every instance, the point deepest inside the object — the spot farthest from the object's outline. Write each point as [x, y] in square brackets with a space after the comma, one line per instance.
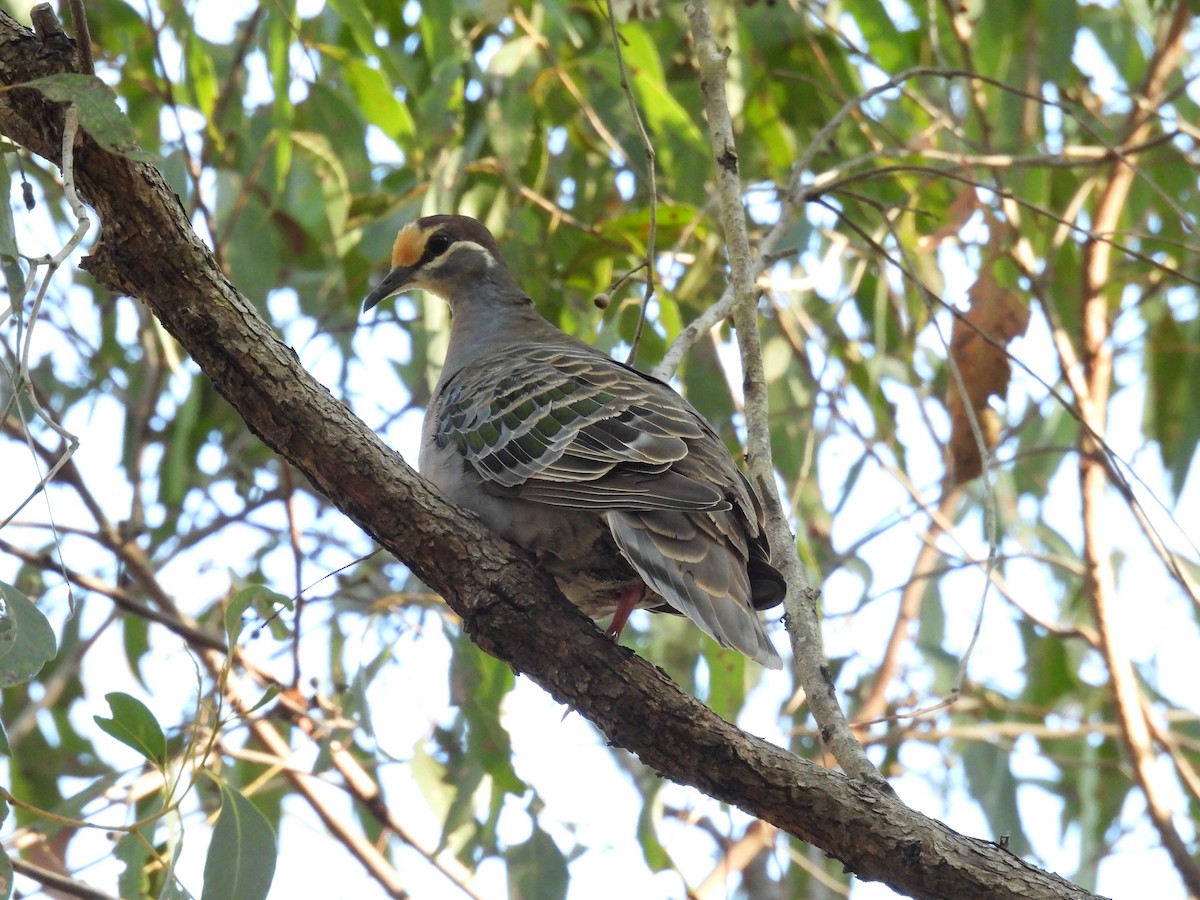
[651, 182]
[24, 381]
[803, 625]
[83, 35]
[57, 882]
[800, 190]
[376, 864]
[1112, 462]
[365, 789]
[589, 112]
[288, 483]
[838, 185]
[189, 631]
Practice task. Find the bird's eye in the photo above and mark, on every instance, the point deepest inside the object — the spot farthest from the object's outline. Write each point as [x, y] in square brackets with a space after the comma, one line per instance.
[438, 244]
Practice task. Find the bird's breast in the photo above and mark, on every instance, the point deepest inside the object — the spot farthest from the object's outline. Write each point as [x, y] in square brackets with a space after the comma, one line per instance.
[575, 546]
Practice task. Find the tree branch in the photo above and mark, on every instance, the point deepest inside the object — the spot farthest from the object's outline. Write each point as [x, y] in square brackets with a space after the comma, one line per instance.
[1097, 358]
[57, 883]
[801, 602]
[148, 249]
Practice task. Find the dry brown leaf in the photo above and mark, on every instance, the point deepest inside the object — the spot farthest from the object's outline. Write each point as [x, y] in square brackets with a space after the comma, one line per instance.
[999, 314]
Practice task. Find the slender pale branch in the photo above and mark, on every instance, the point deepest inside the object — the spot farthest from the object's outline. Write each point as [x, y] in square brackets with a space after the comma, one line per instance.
[803, 624]
[1097, 358]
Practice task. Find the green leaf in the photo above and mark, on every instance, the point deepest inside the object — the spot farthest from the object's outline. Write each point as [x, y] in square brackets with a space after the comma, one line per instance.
[480, 683]
[167, 882]
[1060, 19]
[429, 775]
[656, 855]
[203, 77]
[994, 787]
[269, 694]
[256, 250]
[726, 680]
[878, 26]
[131, 851]
[135, 638]
[173, 890]
[99, 114]
[353, 14]
[261, 598]
[183, 437]
[1050, 668]
[512, 116]
[279, 47]
[134, 726]
[671, 223]
[6, 876]
[8, 633]
[10, 257]
[335, 184]
[670, 125]
[241, 858]
[378, 102]
[27, 639]
[537, 869]
[1173, 407]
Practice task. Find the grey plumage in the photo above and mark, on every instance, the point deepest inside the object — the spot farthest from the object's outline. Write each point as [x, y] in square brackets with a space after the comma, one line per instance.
[621, 489]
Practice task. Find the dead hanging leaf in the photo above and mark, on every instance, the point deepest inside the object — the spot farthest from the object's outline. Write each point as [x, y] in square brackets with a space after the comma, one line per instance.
[978, 349]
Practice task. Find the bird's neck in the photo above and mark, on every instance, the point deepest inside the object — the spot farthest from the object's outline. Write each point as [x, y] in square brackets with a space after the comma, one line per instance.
[478, 330]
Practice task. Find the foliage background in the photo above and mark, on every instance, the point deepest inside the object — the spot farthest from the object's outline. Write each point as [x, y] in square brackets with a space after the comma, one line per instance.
[300, 137]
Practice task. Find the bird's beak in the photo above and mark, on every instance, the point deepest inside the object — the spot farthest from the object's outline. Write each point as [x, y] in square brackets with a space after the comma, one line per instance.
[394, 282]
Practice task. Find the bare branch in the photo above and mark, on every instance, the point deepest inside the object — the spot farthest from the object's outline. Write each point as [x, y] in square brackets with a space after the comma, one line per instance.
[1097, 358]
[804, 628]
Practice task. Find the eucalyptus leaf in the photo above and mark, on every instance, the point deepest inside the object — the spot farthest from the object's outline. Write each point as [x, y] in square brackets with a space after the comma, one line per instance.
[241, 858]
[134, 725]
[26, 638]
[99, 114]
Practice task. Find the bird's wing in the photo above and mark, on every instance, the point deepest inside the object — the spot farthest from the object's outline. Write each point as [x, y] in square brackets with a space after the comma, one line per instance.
[569, 427]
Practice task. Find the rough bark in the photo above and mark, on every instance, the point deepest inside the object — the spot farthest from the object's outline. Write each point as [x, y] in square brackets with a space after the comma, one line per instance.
[147, 249]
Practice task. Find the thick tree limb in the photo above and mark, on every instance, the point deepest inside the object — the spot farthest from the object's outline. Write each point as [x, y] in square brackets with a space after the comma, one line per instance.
[148, 250]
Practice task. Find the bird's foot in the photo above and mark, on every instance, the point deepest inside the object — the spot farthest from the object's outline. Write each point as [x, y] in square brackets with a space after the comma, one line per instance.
[626, 603]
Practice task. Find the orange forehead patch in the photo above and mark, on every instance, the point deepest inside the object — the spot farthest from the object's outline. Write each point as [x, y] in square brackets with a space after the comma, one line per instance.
[409, 246]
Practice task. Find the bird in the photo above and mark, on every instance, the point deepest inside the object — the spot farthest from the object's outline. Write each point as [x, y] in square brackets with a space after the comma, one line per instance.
[618, 486]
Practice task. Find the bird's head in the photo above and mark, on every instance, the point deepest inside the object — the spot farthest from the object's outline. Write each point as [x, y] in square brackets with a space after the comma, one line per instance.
[450, 256]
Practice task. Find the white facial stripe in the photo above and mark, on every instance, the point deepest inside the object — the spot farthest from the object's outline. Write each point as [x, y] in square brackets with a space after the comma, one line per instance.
[457, 247]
